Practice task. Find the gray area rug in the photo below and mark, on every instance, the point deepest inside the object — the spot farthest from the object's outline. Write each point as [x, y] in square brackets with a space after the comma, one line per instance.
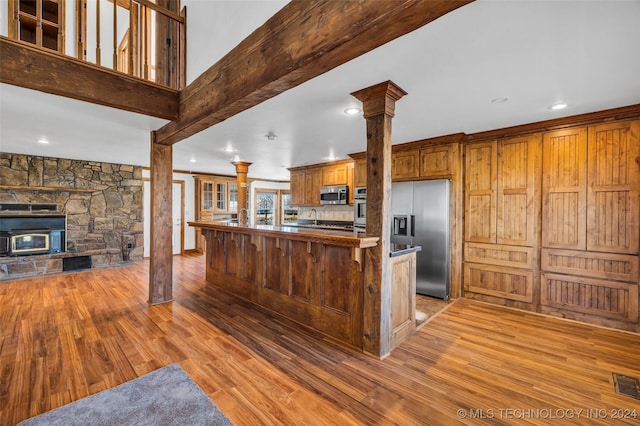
[166, 396]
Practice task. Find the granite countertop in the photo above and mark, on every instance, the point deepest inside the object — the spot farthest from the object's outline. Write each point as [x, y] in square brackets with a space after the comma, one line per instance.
[337, 237]
[401, 249]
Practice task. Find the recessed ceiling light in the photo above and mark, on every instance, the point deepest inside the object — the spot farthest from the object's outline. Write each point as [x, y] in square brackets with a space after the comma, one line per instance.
[499, 100]
[193, 160]
[43, 141]
[557, 107]
[352, 111]
[229, 148]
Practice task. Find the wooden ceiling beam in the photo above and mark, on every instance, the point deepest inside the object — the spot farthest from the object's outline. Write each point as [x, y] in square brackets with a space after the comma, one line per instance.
[32, 68]
[303, 40]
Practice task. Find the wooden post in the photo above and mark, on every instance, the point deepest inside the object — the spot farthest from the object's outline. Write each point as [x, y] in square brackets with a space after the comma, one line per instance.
[242, 168]
[378, 104]
[161, 253]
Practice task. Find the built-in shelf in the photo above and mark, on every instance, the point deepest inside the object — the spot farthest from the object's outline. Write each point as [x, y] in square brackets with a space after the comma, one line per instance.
[45, 188]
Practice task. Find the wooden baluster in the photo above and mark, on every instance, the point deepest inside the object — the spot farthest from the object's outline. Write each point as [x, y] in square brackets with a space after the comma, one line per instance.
[144, 51]
[98, 54]
[131, 33]
[115, 35]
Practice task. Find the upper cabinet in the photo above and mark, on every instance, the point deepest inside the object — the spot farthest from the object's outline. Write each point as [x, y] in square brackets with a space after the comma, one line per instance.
[307, 181]
[404, 165]
[39, 22]
[305, 186]
[613, 187]
[436, 161]
[421, 161]
[336, 175]
[359, 172]
[502, 192]
[591, 188]
[564, 186]
[215, 195]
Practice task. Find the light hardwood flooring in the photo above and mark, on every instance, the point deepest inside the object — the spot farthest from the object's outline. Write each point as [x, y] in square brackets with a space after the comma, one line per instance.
[68, 336]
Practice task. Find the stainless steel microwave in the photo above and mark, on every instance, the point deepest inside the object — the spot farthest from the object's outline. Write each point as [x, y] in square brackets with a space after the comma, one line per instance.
[336, 194]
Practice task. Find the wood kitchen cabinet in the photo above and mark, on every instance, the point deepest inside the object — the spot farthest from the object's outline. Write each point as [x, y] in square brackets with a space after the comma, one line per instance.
[591, 222]
[402, 321]
[305, 186]
[359, 172]
[214, 196]
[312, 184]
[436, 162]
[404, 165]
[502, 207]
[306, 181]
[335, 175]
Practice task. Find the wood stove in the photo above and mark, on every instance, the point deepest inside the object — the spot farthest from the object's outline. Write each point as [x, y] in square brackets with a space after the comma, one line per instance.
[22, 235]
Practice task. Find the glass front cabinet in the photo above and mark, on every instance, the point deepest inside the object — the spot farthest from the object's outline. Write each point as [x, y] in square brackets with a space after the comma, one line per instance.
[215, 196]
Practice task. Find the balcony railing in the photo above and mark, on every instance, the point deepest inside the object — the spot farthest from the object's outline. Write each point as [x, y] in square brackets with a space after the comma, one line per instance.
[141, 38]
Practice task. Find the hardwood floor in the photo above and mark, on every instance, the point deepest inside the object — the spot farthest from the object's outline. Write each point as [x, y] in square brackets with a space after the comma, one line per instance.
[68, 336]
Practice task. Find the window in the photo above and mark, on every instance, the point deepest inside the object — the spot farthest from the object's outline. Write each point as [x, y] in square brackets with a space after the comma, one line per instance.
[289, 213]
[39, 22]
[266, 203]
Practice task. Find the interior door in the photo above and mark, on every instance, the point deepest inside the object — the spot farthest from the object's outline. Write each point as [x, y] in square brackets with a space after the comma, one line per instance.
[178, 204]
[146, 202]
[177, 213]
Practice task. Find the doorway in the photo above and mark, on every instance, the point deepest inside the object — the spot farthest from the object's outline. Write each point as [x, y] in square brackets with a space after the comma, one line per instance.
[266, 210]
[177, 220]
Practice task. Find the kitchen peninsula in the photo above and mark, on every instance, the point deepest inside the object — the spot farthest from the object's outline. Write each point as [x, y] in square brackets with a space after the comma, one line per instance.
[311, 276]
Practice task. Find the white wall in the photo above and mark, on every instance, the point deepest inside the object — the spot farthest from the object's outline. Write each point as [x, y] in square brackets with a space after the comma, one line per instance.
[227, 22]
[70, 28]
[189, 210]
[4, 18]
[106, 30]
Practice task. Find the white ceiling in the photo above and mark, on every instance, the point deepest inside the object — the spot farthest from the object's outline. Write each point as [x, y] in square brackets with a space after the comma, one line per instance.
[535, 53]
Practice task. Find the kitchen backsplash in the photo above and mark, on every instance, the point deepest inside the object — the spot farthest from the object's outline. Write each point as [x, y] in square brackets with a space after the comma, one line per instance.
[337, 213]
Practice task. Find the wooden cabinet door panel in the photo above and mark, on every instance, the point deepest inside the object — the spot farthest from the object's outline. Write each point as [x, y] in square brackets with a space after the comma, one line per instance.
[614, 187]
[340, 175]
[334, 175]
[602, 298]
[435, 161]
[312, 181]
[328, 176]
[497, 281]
[360, 173]
[404, 165]
[480, 205]
[297, 181]
[519, 163]
[564, 189]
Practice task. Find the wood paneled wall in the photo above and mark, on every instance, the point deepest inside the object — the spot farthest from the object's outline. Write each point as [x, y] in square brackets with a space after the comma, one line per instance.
[552, 221]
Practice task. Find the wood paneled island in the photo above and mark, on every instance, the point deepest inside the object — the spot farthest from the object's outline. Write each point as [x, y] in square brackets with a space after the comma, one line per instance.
[312, 276]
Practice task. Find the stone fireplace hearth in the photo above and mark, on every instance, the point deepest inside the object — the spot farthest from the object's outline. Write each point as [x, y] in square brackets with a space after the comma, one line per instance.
[102, 203]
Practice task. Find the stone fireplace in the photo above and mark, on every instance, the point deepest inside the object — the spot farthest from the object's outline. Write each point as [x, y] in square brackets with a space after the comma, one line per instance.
[102, 204]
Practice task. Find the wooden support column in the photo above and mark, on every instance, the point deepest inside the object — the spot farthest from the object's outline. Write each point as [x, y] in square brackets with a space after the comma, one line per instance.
[161, 253]
[242, 168]
[378, 104]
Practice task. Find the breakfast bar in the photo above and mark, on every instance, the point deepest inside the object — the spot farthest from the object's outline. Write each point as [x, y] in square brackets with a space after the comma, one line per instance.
[312, 276]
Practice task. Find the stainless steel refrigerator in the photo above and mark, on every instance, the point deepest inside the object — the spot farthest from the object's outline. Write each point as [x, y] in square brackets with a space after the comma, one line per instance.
[420, 216]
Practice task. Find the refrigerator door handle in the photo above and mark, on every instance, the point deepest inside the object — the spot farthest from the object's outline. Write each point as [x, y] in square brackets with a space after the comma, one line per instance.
[413, 226]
